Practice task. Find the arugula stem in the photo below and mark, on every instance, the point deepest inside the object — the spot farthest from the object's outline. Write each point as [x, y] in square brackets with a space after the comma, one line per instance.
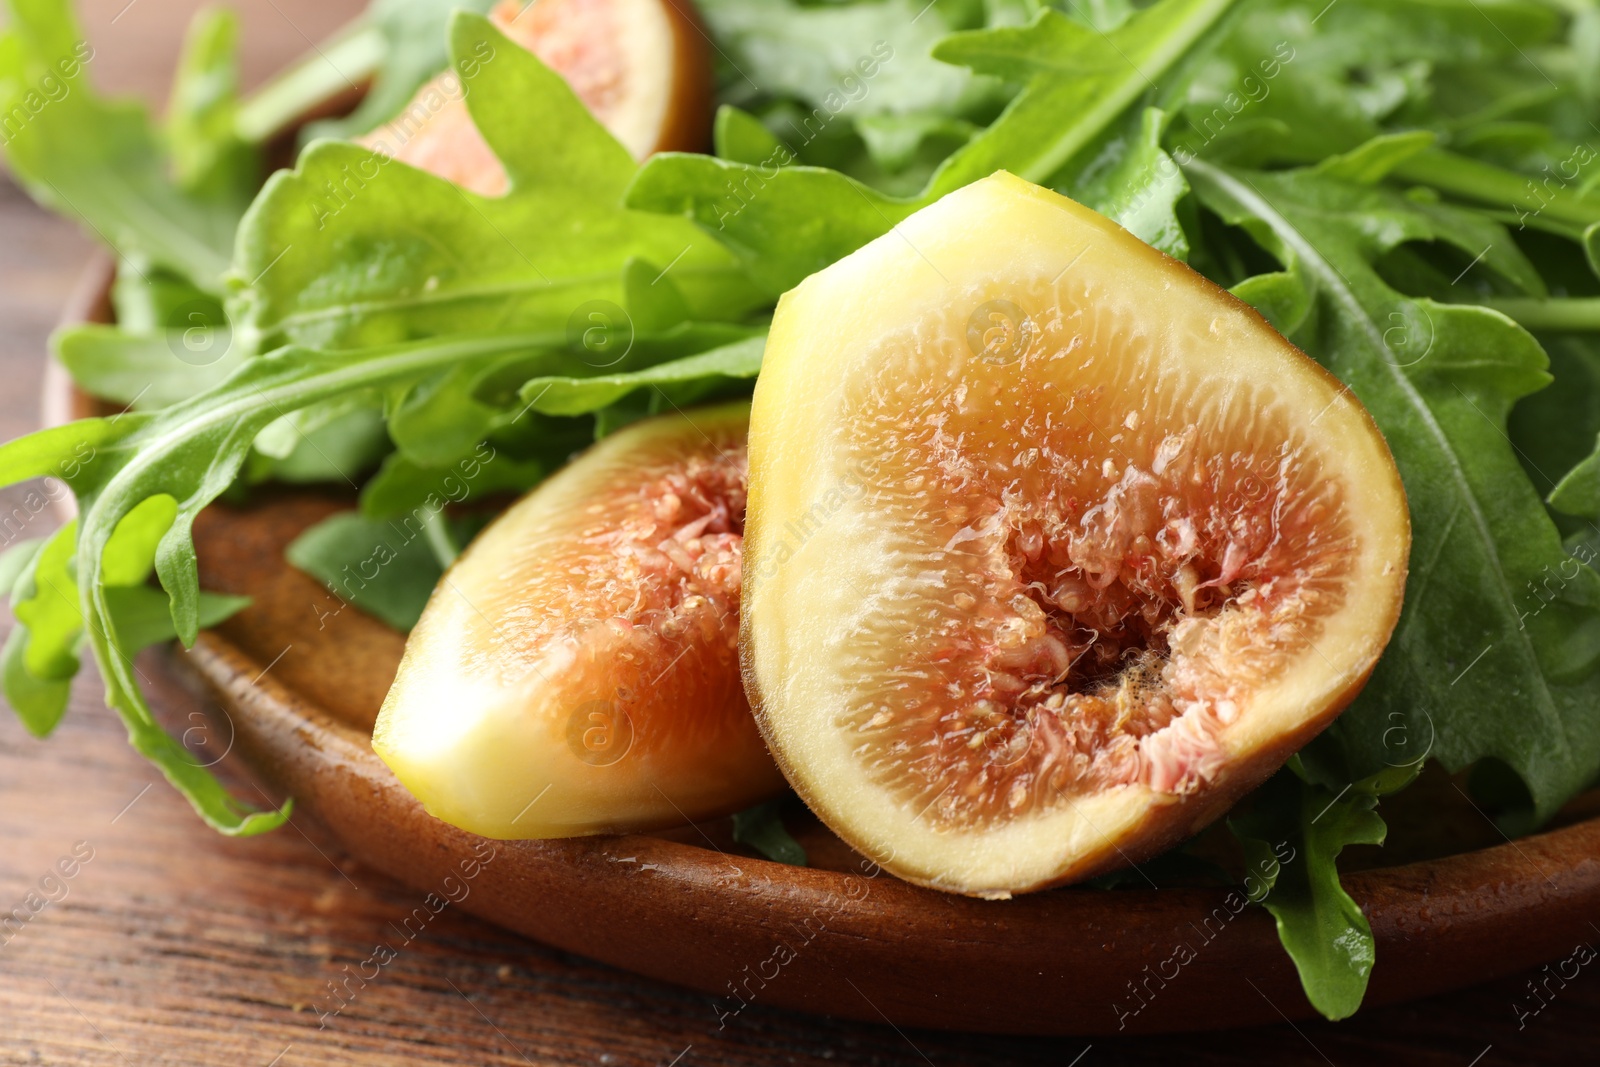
[342, 63]
[440, 542]
[1526, 195]
[1179, 39]
[1558, 315]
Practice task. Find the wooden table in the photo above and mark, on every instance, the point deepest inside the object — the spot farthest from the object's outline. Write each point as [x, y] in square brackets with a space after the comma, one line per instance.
[173, 945]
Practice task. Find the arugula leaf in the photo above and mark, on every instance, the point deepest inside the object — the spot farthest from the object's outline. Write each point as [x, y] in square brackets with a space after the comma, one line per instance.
[702, 372]
[16, 559]
[1129, 179]
[1555, 430]
[761, 827]
[354, 249]
[1069, 70]
[143, 617]
[141, 479]
[209, 159]
[102, 162]
[1440, 380]
[385, 569]
[811, 54]
[414, 34]
[1294, 81]
[143, 368]
[1321, 927]
[867, 66]
[790, 221]
[402, 485]
[41, 653]
[337, 442]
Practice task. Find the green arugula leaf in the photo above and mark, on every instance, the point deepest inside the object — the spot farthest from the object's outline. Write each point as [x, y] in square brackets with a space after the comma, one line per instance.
[863, 67]
[1296, 81]
[1069, 70]
[337, 442]
[354, 249]
[1129, 179]
[40, 656]
[1554, 430]
[1321, 927]
[402, 485]
[16, 559]
[740, 137]
[209, 159]
[144, 369]
[141, 479]
[761, 827]
[580, 396]
[383, 568]
[414, 35]
[1440, 380]
[1578, 492]
[102, 162]
[41, 653]
[790, 221]
[143, 617]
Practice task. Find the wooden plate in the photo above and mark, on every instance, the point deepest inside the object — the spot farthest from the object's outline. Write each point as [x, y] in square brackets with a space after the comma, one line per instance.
[300, 677]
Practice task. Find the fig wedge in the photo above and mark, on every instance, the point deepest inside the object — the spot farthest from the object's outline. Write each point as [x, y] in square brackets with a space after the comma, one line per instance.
[1054, 549]
[643, 67]
[576, 671]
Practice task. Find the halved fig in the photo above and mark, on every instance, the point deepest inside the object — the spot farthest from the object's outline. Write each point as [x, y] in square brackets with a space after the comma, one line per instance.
[1054, 548]
[576, 671]
[641, 66]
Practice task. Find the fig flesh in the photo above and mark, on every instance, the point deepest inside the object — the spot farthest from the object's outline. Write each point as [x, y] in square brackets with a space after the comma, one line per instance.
[641, 66]
[1054, 549]
[576, 670]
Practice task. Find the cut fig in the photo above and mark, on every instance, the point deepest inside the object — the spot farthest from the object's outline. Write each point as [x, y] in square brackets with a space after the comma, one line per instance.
[576, 671]
[642, 67]
[1054, 548]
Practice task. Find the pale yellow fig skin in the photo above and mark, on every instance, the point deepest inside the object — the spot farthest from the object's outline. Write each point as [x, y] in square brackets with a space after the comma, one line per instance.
[513, 738]
[1004, 226]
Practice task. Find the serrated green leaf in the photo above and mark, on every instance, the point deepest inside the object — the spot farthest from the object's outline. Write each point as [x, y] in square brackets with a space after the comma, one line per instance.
[99, 161]
[69, 452]
[579, 396]
[1291, 843]
[383, 567]
[353, 249]
[761, 827]
[139, 369]
[15, 560]
[790, 221]
[402, 485]
[170, 464]
[1578, 492]
[209, 160]
[1440, 381]
[45, 604]
[141, 616]
[415, 38]
[741, 138]
[1129, 179]
[39, 702]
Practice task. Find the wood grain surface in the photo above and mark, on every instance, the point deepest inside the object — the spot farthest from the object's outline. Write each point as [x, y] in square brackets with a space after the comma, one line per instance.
[156, 941]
